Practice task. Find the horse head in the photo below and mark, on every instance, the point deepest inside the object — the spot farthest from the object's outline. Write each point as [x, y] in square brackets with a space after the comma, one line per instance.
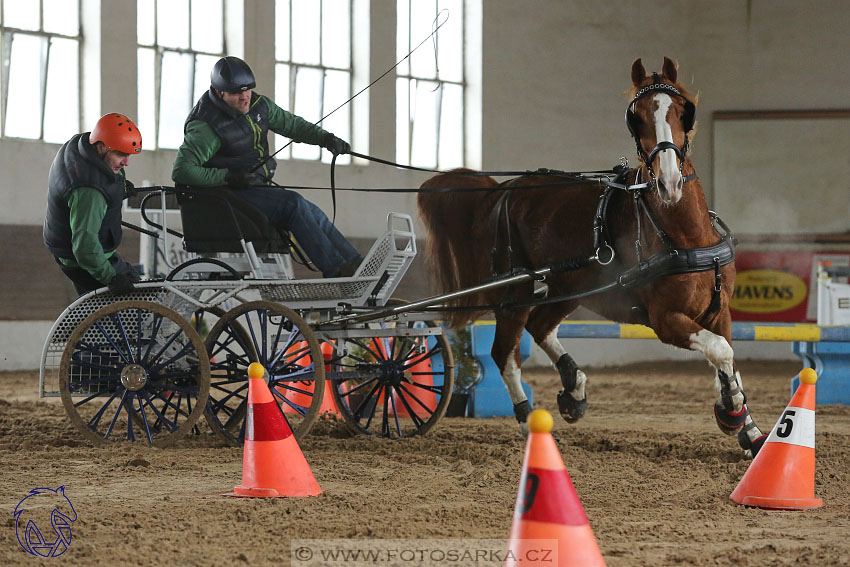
[660, 116]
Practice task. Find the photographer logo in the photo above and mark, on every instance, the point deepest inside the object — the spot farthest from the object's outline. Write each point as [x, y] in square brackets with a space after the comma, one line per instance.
[43, 521]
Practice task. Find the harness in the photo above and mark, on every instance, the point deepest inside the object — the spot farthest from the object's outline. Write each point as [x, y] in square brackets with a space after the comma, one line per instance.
[669, 261]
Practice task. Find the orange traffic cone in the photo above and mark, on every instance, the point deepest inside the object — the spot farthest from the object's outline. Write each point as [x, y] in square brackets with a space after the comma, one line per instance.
[419, 395]
[548, 514]
[782, 475]
[304, 398]
[272, 464]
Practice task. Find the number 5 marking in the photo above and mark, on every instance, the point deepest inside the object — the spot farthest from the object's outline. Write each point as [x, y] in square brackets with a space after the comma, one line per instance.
[786, 424]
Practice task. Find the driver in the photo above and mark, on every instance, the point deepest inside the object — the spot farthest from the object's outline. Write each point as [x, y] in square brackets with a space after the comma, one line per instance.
[225, 143]
[86, 185]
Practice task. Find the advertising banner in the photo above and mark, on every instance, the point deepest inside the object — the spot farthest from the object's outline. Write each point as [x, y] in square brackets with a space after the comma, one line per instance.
[779, 286]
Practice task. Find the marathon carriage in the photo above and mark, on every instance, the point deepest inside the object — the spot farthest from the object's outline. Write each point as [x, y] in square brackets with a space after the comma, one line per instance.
[147, 365]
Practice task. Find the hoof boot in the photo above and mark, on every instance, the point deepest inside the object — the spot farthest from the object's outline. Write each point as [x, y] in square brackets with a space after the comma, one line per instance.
[571, 409]
[522, 411]
[728, 422]
[751, 448]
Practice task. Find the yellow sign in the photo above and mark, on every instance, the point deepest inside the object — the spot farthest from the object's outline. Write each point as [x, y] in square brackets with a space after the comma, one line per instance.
[767, 291]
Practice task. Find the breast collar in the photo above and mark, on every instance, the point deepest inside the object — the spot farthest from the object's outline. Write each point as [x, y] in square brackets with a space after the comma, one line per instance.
[671, 260]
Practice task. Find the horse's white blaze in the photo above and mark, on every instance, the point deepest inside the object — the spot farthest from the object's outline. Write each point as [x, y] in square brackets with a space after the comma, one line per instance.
[513, 380]
[553, 347]
[668, 173]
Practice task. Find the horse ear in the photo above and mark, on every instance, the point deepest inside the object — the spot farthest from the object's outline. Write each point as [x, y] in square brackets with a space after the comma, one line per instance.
[669, 70]
[638, 72]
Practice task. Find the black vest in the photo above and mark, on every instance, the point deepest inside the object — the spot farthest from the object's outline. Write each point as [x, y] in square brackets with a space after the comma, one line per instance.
[78, 165]
[244, 137]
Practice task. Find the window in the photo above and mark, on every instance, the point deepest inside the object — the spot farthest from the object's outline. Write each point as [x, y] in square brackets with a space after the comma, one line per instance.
[179, 41]
[430, 84]
[40, 69]
[313, 69]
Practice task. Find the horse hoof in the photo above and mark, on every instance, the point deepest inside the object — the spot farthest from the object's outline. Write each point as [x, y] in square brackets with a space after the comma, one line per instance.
[730, 423]
[571, 409]
[523, 429]
[522, 410]
[751, 448]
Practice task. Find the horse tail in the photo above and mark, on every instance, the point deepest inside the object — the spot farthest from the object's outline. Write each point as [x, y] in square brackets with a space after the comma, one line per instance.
[450, 218]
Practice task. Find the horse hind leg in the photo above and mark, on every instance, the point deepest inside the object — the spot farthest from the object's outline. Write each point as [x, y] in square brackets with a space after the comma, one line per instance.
[507, 357]
[730, 410]
[572, 399]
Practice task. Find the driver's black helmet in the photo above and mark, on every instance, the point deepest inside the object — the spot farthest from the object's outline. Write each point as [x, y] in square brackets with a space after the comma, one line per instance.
[231, 74]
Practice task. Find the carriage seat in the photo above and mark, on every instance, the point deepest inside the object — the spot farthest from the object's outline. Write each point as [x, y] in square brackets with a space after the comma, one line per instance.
[215, 220]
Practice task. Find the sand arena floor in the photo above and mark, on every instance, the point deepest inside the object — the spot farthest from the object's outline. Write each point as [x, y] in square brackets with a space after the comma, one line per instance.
[651, 468]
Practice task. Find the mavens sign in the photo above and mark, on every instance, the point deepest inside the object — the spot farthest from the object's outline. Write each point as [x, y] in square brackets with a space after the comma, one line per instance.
[768, 291]
[777, 286]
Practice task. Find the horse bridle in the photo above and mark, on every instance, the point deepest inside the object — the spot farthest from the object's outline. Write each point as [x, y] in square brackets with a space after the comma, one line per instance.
[687, 123]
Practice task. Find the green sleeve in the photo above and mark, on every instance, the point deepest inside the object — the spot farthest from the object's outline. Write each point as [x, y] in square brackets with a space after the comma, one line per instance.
[294, 127]
[200, 143]
[88, 207]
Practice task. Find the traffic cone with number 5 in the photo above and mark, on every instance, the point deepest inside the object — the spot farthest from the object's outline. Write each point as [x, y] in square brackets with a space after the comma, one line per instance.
[782, 476]
[550, 526]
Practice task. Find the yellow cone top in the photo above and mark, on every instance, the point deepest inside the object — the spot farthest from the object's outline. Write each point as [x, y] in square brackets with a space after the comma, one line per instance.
[540, 421]
[808, 376]
[256, 370]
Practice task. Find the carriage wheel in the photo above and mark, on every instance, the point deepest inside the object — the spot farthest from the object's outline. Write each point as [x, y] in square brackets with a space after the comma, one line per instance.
[203, 320]
[134, 370]
[280, 340]
[392, 385]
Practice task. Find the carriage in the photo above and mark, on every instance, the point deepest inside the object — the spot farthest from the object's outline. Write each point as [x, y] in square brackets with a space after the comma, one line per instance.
[149, 364]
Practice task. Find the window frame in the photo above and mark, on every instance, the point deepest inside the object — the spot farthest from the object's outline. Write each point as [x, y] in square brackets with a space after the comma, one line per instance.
[159, 53]
[7, 34]
[284, 151]
[409, 77]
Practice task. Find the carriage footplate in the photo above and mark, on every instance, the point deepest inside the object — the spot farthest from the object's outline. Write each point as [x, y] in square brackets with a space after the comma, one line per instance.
[570, 408]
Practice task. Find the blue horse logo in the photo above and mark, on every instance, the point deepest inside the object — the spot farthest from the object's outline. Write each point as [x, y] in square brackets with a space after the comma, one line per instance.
[40, 506]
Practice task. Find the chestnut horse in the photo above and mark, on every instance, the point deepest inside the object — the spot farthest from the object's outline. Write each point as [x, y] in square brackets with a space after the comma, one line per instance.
[645, 247]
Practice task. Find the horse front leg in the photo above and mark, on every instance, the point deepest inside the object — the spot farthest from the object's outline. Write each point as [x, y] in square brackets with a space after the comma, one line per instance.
[730, 408]
[543, 326]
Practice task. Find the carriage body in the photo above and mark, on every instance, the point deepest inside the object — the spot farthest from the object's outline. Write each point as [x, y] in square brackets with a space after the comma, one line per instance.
[148, 364]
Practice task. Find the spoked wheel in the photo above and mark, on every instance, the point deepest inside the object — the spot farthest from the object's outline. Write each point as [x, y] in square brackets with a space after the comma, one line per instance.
[393, 379]
[280, 340]
[134, 370]
[203, 320]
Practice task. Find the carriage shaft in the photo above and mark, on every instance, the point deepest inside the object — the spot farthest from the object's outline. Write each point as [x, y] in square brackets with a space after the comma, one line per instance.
[390, 312]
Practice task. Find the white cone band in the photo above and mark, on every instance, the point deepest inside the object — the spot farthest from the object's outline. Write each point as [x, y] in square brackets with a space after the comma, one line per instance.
[796, 426]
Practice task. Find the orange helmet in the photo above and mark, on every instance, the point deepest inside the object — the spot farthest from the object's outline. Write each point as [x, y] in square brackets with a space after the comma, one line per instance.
[118, 133]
